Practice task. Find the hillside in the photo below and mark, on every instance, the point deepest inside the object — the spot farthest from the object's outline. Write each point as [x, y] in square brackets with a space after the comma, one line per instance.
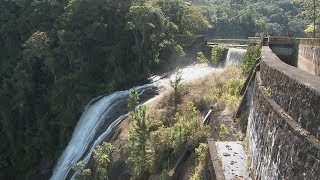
[240, 19]
[56, 55]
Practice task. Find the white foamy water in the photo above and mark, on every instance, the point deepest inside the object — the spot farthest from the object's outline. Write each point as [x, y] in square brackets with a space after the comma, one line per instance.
[97, 113]
[234, 56]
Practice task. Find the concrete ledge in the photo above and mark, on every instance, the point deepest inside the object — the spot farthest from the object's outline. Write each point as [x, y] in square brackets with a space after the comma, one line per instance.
[216, 163]
[309, 41]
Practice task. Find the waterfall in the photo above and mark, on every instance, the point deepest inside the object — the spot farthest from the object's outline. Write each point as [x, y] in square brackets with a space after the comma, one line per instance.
[108, 111]
[234, 56]
[99, 111]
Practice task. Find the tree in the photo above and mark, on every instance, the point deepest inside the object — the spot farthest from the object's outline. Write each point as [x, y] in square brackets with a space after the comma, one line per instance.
[139, 150]
[56, 55]
[311, 11]
[217, 54]
[176, 85]
[101, 159]
[133, 100]
[250, 58]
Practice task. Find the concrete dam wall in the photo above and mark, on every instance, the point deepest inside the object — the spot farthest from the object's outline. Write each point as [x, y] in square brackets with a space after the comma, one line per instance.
[309, 56]
[284, 121]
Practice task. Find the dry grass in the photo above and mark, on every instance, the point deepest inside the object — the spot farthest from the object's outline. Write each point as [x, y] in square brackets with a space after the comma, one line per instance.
[221, 89]
[217, 90]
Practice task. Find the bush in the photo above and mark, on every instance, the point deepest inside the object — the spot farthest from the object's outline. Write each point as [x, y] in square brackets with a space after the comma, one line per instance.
[169, 142]
[217, 54]
[226, 93]
[250, 57]
[202, 154]
[202, 58]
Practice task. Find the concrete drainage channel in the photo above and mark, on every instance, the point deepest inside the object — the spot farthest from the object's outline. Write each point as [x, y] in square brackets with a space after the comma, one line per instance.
[229, 160]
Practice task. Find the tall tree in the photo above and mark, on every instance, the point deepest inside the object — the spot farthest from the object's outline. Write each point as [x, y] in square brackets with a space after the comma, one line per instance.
[139, 149]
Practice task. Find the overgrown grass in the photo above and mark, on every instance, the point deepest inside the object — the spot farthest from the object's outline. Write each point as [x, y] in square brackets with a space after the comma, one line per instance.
[221, 89]
[250, 58]
[218, 53]
[175, 127]
[202, 155]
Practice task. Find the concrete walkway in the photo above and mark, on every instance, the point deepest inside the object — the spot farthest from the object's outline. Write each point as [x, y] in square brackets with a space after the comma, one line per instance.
[229, 160]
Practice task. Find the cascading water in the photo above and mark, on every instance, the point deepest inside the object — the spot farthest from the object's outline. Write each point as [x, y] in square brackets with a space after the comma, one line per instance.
[107, 110]
[100, 111]
[234, 56]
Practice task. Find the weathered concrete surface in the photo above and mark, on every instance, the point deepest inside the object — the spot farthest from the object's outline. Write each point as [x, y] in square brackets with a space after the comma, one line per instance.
[216, 163]
[295, 91]
[233, 158]
[279, 147]
[283, 127]
[229, 160]
[309, 57]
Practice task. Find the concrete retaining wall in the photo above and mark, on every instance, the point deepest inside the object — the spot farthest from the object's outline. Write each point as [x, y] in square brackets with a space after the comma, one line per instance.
[283, 128]
[309, 59]
[295, 91]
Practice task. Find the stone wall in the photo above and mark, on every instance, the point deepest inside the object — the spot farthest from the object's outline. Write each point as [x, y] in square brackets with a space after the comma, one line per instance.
[294, 90]
[283, 128]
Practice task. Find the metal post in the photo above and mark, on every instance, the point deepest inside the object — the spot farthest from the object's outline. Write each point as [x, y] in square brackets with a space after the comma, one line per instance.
[314, 18]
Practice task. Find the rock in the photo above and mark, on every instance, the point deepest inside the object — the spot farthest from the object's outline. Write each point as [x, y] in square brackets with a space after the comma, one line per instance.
[233, 162]
[226, 154]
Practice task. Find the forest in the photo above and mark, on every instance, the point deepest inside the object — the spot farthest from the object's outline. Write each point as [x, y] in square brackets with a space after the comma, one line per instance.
[243, 18]
[56, 55]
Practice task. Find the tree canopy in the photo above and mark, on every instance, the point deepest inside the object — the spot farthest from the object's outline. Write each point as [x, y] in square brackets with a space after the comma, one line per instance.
[55, 55]
[243, 18]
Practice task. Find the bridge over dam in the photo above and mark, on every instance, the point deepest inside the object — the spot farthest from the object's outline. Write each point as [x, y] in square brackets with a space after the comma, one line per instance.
[281, 111]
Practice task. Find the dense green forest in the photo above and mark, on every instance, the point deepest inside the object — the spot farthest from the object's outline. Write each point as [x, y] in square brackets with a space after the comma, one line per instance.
[55, 55]
[243, 18]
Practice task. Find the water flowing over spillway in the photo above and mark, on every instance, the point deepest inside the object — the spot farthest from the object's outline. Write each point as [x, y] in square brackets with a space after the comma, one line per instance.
[108, 111]
[100, 110]
[234, 56]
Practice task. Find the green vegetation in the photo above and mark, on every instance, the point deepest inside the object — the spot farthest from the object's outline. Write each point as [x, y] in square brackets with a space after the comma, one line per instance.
[310, 10]
[100, 159]
[169, 141]
[226, 93]
[177, 87]
[249, 59]
[219, 90]
[309, 31]
[202, 58]
[218, 53]
[56, 55]
[133, 100]
[151, 149]
[243, 18]
[139, 148]
[223, 130]
[202, 154]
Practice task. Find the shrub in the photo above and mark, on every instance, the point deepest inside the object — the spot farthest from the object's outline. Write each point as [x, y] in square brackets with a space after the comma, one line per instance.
[250, 57]
[217, 54]
[202, 154]
[202, 58]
